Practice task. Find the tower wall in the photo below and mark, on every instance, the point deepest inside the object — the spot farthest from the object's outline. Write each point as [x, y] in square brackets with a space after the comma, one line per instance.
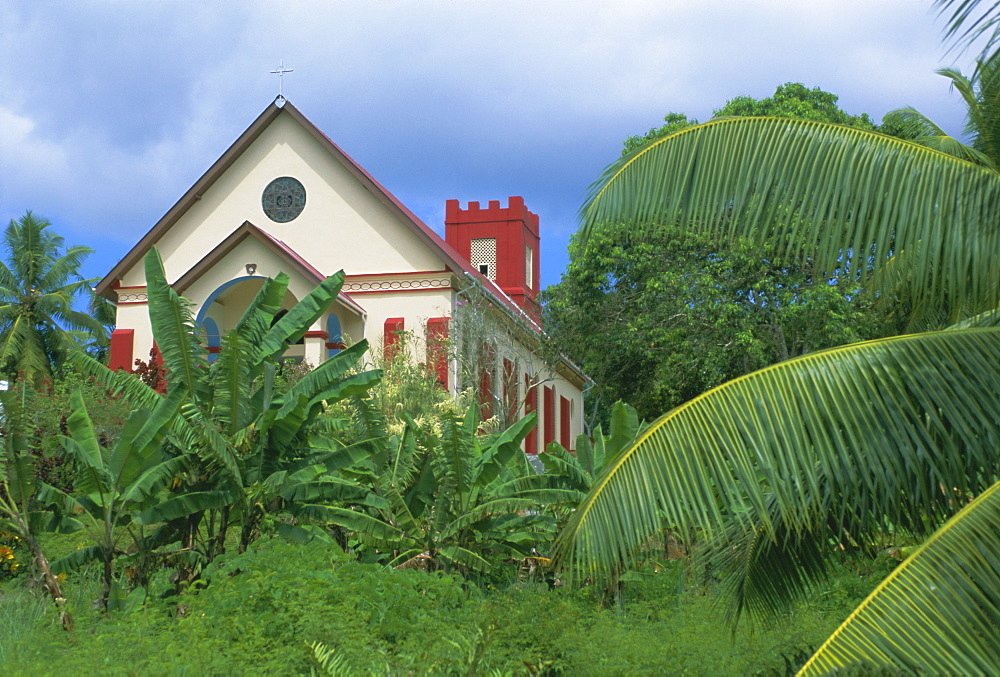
[515, 265]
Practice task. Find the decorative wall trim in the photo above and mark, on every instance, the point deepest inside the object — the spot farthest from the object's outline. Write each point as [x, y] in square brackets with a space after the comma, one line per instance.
[132, 295]
[397, 282]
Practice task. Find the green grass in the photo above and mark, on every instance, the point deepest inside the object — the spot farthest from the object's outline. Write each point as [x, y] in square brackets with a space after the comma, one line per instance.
[258, 613]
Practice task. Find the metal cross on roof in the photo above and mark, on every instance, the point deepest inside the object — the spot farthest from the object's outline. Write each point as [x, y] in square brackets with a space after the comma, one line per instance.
[280, 72]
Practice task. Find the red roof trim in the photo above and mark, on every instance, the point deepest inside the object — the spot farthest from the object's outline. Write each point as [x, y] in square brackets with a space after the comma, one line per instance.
[402, 273]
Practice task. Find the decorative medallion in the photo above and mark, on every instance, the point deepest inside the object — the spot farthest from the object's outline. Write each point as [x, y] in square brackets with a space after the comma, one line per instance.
[283, 199]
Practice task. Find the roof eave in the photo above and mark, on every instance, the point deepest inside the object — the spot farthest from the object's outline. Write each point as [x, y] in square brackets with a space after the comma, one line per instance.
[105, 286]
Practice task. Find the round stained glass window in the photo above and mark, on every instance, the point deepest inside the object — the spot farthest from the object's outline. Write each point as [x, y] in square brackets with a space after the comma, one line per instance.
[283, 199]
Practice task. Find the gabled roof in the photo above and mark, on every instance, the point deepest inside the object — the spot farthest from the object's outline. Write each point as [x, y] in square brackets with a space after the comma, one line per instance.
[284, 252]
[452, 259]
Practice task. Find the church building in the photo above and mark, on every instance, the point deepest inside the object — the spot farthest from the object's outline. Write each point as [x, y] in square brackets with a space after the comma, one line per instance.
[285, 198]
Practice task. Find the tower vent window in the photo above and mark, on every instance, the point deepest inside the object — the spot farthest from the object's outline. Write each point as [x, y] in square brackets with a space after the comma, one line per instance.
[484, 256]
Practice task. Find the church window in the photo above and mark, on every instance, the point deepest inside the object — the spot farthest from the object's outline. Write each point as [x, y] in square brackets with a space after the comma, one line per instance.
[335, 341]
[213, 338]
[528, 267]
[484, 256]
[391, 336]
[283, 199]
[548, 416]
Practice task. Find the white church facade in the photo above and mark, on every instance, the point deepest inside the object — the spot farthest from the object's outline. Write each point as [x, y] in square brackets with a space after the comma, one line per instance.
[285, 198]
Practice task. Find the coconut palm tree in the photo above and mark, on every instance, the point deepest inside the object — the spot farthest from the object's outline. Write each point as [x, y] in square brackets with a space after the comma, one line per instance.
[916, 226]
[39, 283]
[893, 436]
[971, 20]
[981, 94]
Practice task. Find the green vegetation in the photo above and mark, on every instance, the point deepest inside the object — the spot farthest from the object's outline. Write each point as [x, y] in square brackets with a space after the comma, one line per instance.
[447, 500]
[790, 100]
[241, 518]
[872, 444]
[688, 312]
[38, 284]
[259, 612]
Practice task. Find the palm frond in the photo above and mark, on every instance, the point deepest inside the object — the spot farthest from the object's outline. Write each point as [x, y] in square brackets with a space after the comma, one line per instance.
[17, 466]
[989, 318]
[938, 612]
[763, 575]
[188, 504]
[232, 378]
[969, 20]
[154, 478]
[22, 349]
[256, 319]
[857, 436]
[844, 199]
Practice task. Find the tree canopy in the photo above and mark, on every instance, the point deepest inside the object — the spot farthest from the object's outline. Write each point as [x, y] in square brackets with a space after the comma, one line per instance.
[39, 283]
[790, 100]
[659, 319]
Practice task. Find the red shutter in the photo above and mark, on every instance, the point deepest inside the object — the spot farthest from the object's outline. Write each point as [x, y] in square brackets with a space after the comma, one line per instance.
[485, 393]
[548, 416]
[437, 349]
[122, 345]
[390, 336]
[530, 405]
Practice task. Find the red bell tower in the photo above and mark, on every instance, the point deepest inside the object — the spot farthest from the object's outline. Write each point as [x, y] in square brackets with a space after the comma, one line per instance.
[501, 243]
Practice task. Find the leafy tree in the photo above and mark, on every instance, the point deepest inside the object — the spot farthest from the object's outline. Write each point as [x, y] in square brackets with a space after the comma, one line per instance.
[43, 421]
[674, 123]
[790, 100]
[38, 286]
[795, 100]
[687, 312]
[18, 514]
[848, 443]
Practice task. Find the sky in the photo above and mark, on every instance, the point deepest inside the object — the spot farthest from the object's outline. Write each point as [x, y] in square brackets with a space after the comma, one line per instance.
[111, 109]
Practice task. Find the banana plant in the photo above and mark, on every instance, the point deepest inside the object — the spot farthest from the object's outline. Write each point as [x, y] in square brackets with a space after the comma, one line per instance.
[235, 429]
[574, 474]
[115, 488]
[446, 500]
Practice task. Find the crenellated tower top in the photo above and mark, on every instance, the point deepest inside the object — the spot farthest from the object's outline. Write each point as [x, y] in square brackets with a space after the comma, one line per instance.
[501, 243]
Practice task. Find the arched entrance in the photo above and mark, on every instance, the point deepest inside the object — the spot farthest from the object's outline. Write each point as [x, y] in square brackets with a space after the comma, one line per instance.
[225, 306]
